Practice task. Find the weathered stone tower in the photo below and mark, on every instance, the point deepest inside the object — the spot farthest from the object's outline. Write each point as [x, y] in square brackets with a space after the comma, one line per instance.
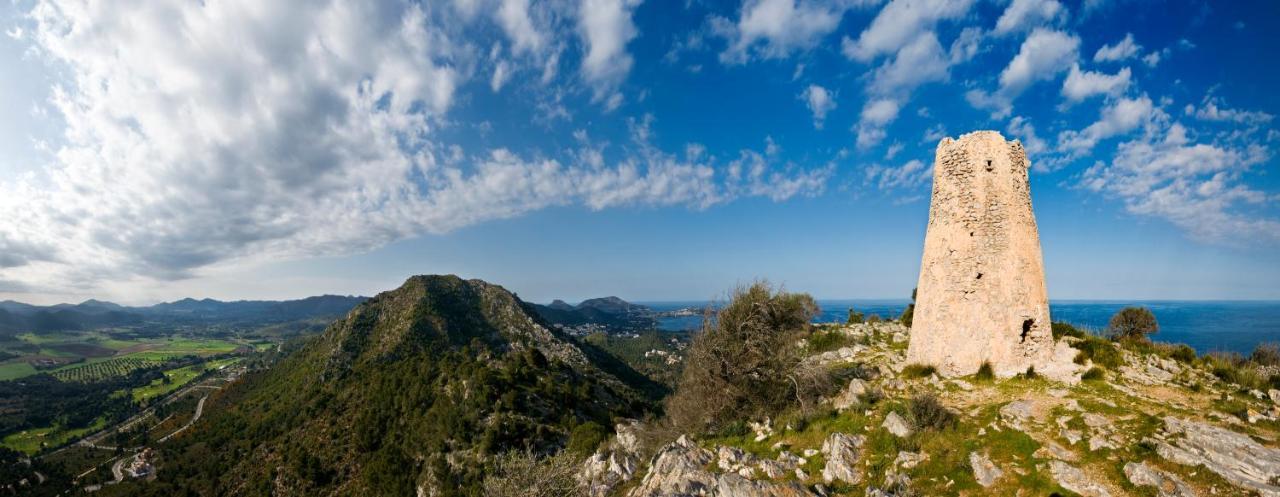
[981, 294]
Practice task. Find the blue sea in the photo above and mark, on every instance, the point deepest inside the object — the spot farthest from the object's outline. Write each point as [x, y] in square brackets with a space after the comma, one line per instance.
[1205, 325]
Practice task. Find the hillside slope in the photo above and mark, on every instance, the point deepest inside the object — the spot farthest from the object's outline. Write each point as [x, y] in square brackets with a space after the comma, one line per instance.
[1149, 420]
[409, 393]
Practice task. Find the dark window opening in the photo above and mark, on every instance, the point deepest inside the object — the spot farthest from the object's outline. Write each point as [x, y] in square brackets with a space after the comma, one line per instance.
[970, 233]
[1026, 329]
[980, 277]
[989, 166]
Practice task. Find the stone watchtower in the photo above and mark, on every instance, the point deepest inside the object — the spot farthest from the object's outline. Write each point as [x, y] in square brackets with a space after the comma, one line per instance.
[981, 294]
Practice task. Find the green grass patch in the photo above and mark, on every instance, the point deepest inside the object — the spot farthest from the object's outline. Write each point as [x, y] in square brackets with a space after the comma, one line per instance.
[918, 371]
[32, 441]
[15, 369]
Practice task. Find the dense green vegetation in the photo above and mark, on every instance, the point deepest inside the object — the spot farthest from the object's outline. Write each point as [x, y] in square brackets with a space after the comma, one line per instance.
[656, 354]
[417, 387]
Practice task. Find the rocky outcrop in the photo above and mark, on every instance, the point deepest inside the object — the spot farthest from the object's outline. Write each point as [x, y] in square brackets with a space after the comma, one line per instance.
[1234, 456]
[680, 470]
[613, 464]
[1075, 480]
[851, 395]
[1166, 485]
[984, 470]
[843, 453]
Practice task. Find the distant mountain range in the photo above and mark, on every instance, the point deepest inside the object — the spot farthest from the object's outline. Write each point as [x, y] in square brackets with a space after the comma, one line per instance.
[16, 317]
[610, 312]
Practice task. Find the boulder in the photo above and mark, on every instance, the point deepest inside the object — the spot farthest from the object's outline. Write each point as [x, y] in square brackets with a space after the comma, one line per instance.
[613, 464]
[851, 395]
[1234, 456]
[985, 471]
[1167, 485]
[1073, 479]
[843, 453]
[896, 425]
[679, 469]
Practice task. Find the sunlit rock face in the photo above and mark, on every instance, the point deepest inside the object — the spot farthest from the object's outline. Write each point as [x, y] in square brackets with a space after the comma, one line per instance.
[981, 294]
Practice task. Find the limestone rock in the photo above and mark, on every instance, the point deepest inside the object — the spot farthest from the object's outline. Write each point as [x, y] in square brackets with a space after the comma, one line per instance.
[981, 290]
[679, 469]
[896, 425]
[984, 470]
[613, 464]
[1234, 456]
[843, 453]
[1016, 413]
[1051, 450]
[1167, 485]
[1274, 394]
[908, 460]
[850, 396]
[1073, 479]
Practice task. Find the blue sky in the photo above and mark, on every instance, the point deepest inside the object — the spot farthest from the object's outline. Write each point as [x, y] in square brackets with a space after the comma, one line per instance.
[653, 150]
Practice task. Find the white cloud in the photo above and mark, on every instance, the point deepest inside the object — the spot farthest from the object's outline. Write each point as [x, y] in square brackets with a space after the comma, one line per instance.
[1197, 187]
[921, 61]
[967, 45]
[513, 16]
[1080, 85]
[916, 63]
[1153, 59]
[606, 28]
[820, 102]
[1119, 117]
[501, 73]
[875, 115]
[1122, 50]
[900, 22]
[1021, 15]
[1043, 55]
[776, 28]
[1026, 132]
[909, 176]
[1211, 111]
[310, 134]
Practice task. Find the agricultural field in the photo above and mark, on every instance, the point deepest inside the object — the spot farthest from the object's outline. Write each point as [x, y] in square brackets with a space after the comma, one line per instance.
[93, 355]
[177, 378]
[31, 441]
[95, 371]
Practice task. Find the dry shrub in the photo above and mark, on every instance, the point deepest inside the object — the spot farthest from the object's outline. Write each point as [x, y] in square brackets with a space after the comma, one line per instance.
[744, 365]
[522, 474]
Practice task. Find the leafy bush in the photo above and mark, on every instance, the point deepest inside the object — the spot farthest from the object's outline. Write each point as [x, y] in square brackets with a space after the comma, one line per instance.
[909, 313]
[1133, 323]
[930, 414]
[1100, 351]
[855, 317]
[1183, 353]
[743, 365]
[985, 372]
[1266, 354]
[1094, 373]
[1031, 373]
[918, 371]
[586, 437]
[1061, 329]
[826, 340]
[874, 318]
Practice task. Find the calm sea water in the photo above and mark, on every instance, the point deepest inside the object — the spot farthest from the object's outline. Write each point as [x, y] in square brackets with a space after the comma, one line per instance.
[1205, 325]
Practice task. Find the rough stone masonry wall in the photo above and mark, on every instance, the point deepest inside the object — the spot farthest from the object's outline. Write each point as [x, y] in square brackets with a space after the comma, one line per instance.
[981, 294]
